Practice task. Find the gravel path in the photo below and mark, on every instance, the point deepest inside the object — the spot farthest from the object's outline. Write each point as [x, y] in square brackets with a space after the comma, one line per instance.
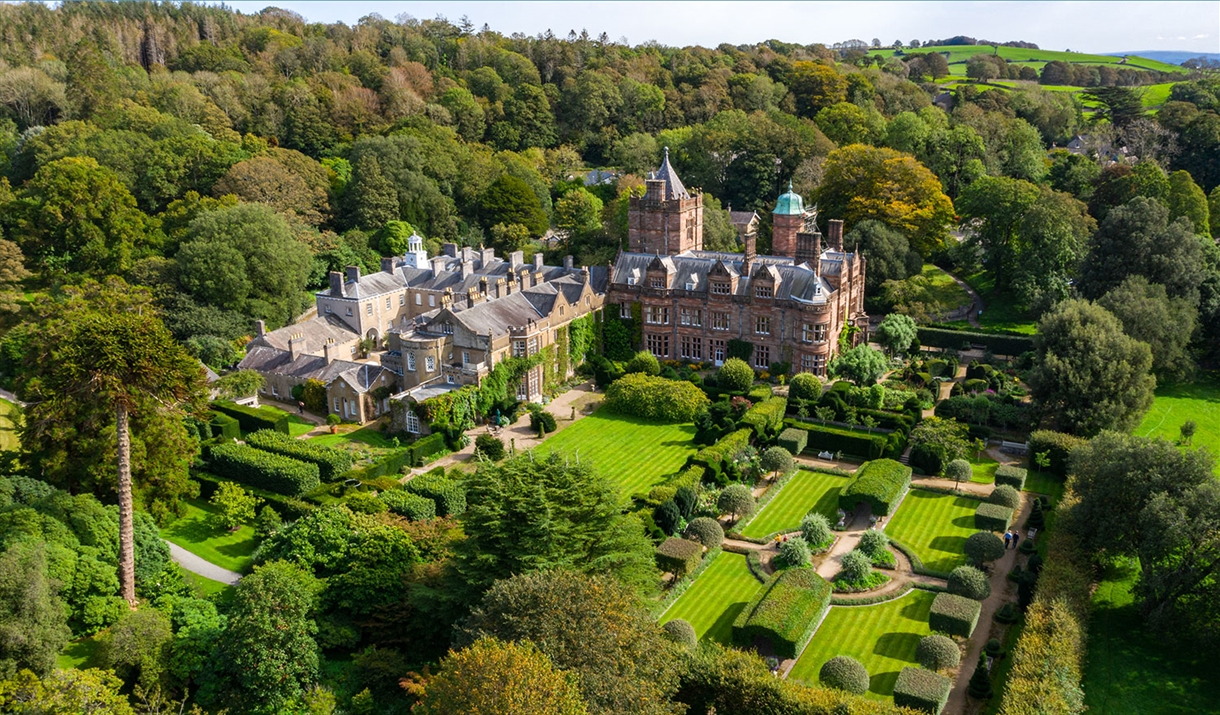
[200, 566]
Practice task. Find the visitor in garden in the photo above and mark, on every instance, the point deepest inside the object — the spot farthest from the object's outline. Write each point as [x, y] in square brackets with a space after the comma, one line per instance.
[1007, 538]
[1015, 538]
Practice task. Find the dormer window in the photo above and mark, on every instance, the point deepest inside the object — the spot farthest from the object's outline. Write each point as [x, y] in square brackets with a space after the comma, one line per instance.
[657, 283]
[762, 291]
[630, 280]
[447, 328]
[690, 286]
[720, 288]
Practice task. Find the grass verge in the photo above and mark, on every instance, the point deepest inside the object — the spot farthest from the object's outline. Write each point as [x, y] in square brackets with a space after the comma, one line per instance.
[195, 533]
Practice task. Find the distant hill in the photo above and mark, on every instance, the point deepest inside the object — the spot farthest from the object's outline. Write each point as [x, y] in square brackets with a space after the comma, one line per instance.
[958, 54]
[1172, 57]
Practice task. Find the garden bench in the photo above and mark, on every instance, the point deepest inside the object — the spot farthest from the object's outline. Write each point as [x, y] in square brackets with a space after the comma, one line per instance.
[1013, 447]
[1030, 534]
[826, 455]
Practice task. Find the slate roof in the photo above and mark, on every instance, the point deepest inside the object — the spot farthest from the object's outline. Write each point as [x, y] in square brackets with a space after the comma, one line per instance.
[317, 331]
[363, 376]
[304, 367]
[795, 282]
[673, 185]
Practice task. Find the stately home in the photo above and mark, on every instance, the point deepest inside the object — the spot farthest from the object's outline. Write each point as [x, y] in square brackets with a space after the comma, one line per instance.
[791, 307]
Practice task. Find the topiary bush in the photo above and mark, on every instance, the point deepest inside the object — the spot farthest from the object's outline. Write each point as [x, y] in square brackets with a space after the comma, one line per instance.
[921, 689]
[448, 495]
[873, 542]
[980, 682]
[489, 446]
[954, 615]
[937, 652]
[793, 553]
[1006, 474]
[332, 463]
[541, 418]
[969, 582]
[686, 499]
[365, 503]
[844, 673]
[706, 531]
[793, 439]
[736, 499]
[959, 470]
[643, 362]
[1027, 547]
[681, 632]
[655, 398]
[983, 546]
[992, 517]
[880, 484]
[815, 529]
[1005, 495]
[678, 556]
[856, 566]
[805, 386]
[735, 376]
[1007, 613]
[994, 647]
[667, 517]
[412, 506]
[1037, 517]
[777, 460]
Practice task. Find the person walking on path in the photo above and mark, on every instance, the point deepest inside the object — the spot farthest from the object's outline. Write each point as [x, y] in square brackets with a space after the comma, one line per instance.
[1007, 539]
[300, 407]
[1015, 538]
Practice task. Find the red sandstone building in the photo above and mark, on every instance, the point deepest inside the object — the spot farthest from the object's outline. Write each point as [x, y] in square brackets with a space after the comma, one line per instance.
[791, 307]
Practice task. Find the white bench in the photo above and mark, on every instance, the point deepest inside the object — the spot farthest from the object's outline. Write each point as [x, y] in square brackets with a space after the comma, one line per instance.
[1013, 447]
[826, 455]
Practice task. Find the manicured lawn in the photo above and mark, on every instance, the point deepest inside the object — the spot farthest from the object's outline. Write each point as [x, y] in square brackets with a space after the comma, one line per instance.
[998, 311]
[633, 453]
[716, 597]
[79, 654]
[983, 470]
[8, 425]
[1175, 404]
[297, 425]
[203, 587]
[882, 637]
[365, 435]
[806, 491]
[935, 527]
[946, 294]
[1044, 483]
[195, 533]
[1131, 670]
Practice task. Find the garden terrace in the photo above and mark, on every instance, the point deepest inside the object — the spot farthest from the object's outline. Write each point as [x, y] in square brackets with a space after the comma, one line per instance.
[786, 612]
[881, 484]
[805, 492]
[934, 526]
[716, 597]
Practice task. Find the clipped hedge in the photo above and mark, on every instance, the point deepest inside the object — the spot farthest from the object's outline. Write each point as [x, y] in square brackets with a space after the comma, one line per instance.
[1010, 475]
[992, 517]
[289, 507]
[1058, 445]
[412, 506]
[845, 673]
[679, 556]
[793, 440]
[766, 417]
[937, 652]
[880, 484]
[332, 463]
[786, 611]
[837, 439]
[448, 495]
[954, 615]
[654, 398]
[264, 470]
[997, 343]
[689, 477]
[921, 689]
[253, 419]
[713, 458]
[224, 426]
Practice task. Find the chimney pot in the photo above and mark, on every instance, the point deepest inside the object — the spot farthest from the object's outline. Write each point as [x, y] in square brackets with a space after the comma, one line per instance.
[467, 253]
[538, 261]
[387, 264]
[327, 354]
[260, 328]
[438, 266]
[450, 249]
[353, 273]
[835, 234]
[336, 283]
[487, 255]
[568, 262]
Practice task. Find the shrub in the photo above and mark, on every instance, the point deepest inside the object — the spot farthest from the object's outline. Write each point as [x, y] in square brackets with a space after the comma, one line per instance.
[263, 470]
[838, 439]
[448, 495]
[716, 457]
[540, 418]
[489, 446]
[776, 459]
[655, 398]
[793, 439]
[873, 542]
[660, 494]
[253, 419]
[412, 506]
[880, 484]
[332, 463]
[706, 531]
[844, 673]
[992, 517]
[681, 632]
[815, 529]
[643, 362]
[785, 611]
[996, 343]
[937, 652]
[678, 556]
[267, 523]
[983, 546]
[1037, 517]
[921, 689]
[805, 386]
[224, 426]
[766, 417]
[994, 647]
[735, 376]
[667, 517]
[793, 553]
[1008, 475]
[365, 503]
[687, 499]
[1008, 613]
[959, 470]
[980, 682]
[856, 566]
[954, 615]
[1027, 547]
[1005, 495]
[969, 582]
[1058, 447]
[737, 500]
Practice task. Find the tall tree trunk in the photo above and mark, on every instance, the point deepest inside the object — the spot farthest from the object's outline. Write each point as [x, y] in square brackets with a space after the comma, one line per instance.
[127, 552]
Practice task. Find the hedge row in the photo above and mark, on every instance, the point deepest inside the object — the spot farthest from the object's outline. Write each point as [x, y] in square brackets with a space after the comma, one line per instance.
[332, 463]
[793, 440]
[766, 417]
[1057, 445]
[412, 506]
[921, 689]
[954, 615]
[713, 458]
[224, 426]
[992, 517]
[1010, 475]
[836, 439]
[786, 611]
[448, 495]
[288, 507]
[256, 468]
[996, 343]
[675, 591]
[880, 484]
[679, 556]
[253, 419]
[654, 398]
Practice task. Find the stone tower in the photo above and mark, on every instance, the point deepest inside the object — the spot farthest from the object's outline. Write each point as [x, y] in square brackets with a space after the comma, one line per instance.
[787, 220]
[666, 220]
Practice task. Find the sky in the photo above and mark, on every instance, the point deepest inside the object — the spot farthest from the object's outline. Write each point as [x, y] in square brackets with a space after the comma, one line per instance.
[1100, 26]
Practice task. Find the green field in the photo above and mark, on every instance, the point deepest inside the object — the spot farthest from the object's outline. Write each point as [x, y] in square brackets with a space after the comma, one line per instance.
[806, 491]
[203, 587]
[1044, 483]
[935, 527]
[998, 311]
[882, 637]
[8, 425]
[958, 54]
[716, 597]
[1131, 670]
[195, 533]
[633, 453]
[1175, 404]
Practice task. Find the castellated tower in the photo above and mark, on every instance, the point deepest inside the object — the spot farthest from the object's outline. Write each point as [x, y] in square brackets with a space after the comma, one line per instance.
[667, 220]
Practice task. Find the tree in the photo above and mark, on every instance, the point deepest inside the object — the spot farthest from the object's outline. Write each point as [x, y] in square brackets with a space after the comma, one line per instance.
[269, 650]
[265, 180]
[233, 505]
[888, 253]
[980, 681]
[490, 677]
[1139, 238]
[591, 626]
[735, 375]
[33, 627]
[213, 351]
[793, 553]
[468, 117]
[897, 334]
[959, 470]
[1187, 199]
[935, 442]
[862, 365]
[1149, 315]
[667, 517]
[856, 567]
[845, 123]
[1087, 372]
[982, 547]
[12, 272]
[239, 383]
[65, 692]
[577, 213]
[528, 113]
[815, 528]
[1120, 105]
[1187, 431]
[737, 500]
[510, 200]
[815, 86]
[969, 582]
[980, 68]
[137, 648]
[776, 460]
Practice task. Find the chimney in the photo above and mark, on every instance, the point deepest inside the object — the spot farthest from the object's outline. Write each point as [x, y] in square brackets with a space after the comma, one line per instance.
[654, 190]
[747, 261]
[467, 253]
[483, 287]
[336, 283]
[326, 353]
[260, 328]
[834, 234]
[467, 268]
[387, 264]
[515, 260]
[487, 255]
[501, 288]
[538, 261]
[296, 346]
[353, 274]
[438, 265]
[449, 249]
[568, 262]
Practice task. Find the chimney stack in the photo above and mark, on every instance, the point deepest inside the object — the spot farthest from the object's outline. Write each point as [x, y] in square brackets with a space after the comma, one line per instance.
[387, 264]
[568, 262]
[467, 253]
[260, 328]
[834, 235]
[487, 255]
[438, 266]
[515, 260]
[449, 249]
[467, 268]
[353, 274]
[326, 353]
[336, 284]
[747, 261]
[296, 346]
[538, 261]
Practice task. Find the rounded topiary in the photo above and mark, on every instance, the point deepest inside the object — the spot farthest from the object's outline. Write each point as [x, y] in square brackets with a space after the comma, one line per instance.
[686, 499]
[937, 652]
[735, 375]
[804, 386]
[873, 542]
[994, 647]
[793, 553]
[959, 470]
[969, 582]
[667, 517]
[706, 531]
[1034, 564]
[489, 446]
[644, 362]
[1037, 518]
[776, 459]
[983, 546]
[1005, 495]
[1007, 613]
[856, 566]
[681, 632]
[844, 673]
[815, 528]
[736, 499]
[1027, 547]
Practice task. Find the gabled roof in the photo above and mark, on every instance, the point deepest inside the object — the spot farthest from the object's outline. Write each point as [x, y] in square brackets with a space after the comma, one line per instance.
[673, 185]
[363, 377]
[795, 282]
[317, 331]
[304, 367]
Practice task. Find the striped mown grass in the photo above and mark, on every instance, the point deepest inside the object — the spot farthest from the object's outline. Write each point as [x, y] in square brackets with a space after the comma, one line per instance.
[716, 597]
[935, 527]
[806, 491]
[634, 453]
[983, 470]
[882, 637]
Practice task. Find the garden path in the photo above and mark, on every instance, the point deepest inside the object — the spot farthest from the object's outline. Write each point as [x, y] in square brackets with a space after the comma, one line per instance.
[826, 463]
[971, 488]
[973, 316]
[11, 398]
[199, 565]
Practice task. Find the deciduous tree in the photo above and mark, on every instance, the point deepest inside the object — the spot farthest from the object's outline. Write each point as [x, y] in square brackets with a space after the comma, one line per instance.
[1149, 315]
[234, 506]
[490, 677]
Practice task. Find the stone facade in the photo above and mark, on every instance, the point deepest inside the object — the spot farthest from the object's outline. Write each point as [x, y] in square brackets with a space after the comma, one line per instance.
[666, 219]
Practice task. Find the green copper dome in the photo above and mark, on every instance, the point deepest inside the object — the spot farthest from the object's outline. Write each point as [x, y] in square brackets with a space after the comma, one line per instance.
[789, 204]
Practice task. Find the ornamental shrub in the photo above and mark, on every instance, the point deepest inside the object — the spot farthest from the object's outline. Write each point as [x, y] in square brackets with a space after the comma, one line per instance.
[992, 517]
[845, 673]
[959, 470]
[263, 470]
[1008, 475]
[681, 632]
[785, 611]
[766, 417]
[840, 439]
[1007, 614]
[541, 418]
[706, 531]
[969, 582]
[980, 682]
[253, 419]
[804, 386]
[815, 529]
[1037, 517]
[994, 647]
[735, 376]
[954, 615]
[737, 500]
[332, 463]
[793, 553]
[873, 542]
[921, 689]
[489, 446]
[1005, 495]
[365, 503]
[448, 495]
[793, 439]
[643, 362]
[678, 556]
[411, 506]
[937, 652]
[686, 499]
[667, 517]
[856, 566]
[655, 398]
[983, 546]
[776, 459]
[880, 484]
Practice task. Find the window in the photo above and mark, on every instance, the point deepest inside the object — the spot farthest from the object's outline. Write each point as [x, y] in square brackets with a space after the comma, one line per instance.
[368, 309]
[449, 379]
[411, 362]
[657, 315]
[690, 286]
[762, 325]
[430, 363]
[720, 288]
[349, 311]
[586, 301]
[402, 298]
[419, 300]
[561, 309]
[692, 348]
[337, 409]
[685, 316]
[431, 301]
[656, 283]
[518, 348]
[353, 350]
[624, 310]
[450, 358]
[328, 307]
[696, 318]
[762, 356]
[412, 422]
[554, 336]
[813, 333]
[447, 328]
[275, 390]
[387, 302]
[465, 357]
[762, 291]
[532, 346]
[718, 351]
[658, 345]
[630, 280]
[720, 321]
